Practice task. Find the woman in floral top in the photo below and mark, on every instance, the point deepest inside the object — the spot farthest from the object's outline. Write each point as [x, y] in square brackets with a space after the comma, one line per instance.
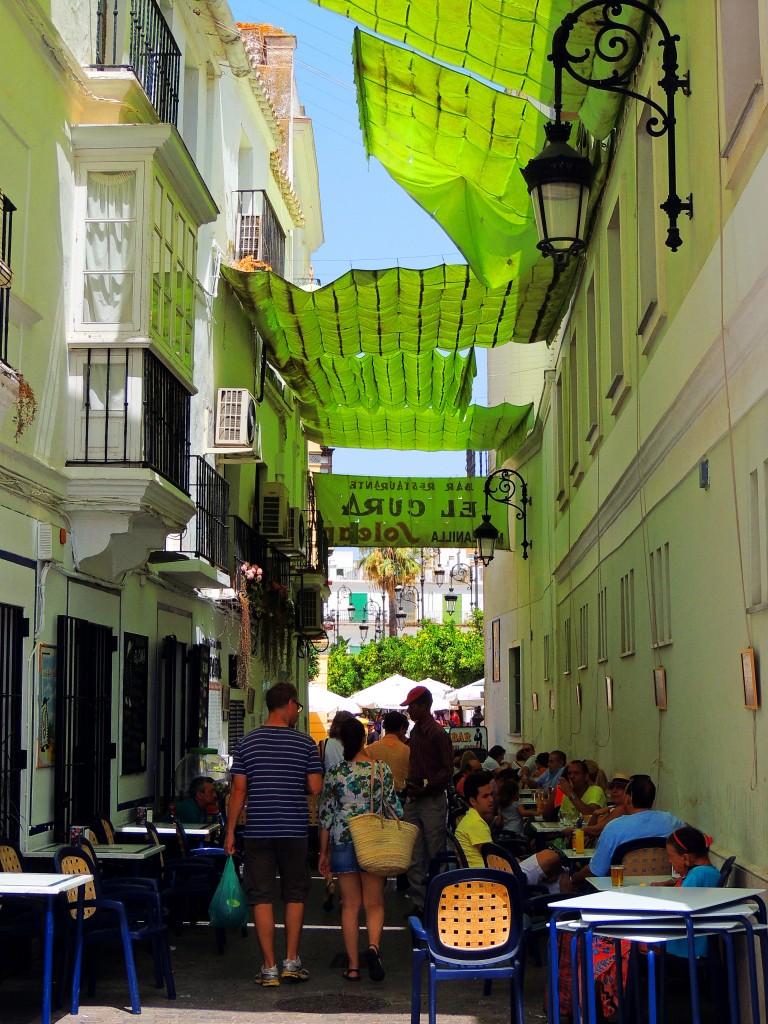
[346, 793]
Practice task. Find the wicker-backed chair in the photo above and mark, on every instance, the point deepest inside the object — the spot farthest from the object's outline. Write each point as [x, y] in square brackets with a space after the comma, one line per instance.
[135, 915]
[18, 921]
[472, 928]
[103, 830]
[643, 857]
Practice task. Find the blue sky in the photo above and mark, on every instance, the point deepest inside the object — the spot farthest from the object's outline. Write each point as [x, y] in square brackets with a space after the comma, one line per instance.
[368, 220]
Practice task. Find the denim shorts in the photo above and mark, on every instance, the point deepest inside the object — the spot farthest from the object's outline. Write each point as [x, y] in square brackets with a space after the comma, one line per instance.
[343, 859]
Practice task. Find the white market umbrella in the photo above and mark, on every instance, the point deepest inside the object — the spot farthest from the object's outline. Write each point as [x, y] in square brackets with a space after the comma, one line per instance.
[471, 695]
[325, 702]
[389, 693]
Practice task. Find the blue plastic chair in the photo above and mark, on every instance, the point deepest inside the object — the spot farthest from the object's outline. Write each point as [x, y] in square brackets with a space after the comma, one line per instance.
[472, 928]
[130, 915]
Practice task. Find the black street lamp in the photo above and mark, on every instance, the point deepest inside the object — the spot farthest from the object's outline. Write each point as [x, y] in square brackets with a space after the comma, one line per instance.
[371, 607]
[407, 593]
[502, 486]
[343, 593]
[559, 178]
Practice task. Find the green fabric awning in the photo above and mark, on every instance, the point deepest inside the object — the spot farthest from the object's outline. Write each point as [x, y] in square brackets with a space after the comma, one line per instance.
[380, 312]
[456, 146]
[429, 380]
[404, 430]
[503, 41]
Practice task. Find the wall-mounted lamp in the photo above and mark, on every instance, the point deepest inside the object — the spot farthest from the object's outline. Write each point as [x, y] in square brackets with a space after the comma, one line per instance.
[450, 602]
[559, 178]
[502, 486]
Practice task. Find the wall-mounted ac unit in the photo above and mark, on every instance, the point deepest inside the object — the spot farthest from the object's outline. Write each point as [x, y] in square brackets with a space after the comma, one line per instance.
[274, 512]
[296, 542]
[238, 432]
[309, 612]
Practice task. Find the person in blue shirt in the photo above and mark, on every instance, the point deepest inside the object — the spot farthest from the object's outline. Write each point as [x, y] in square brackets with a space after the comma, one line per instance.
[551, 777]
[688, 851]
[639, 821]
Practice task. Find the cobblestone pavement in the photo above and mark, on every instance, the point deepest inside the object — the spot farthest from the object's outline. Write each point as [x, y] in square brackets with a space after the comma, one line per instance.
[214, 989]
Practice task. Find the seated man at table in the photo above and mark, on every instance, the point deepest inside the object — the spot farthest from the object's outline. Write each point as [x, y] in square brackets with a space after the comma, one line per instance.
[200, 805]
[474, 829]
[573, 797]
[551, 776]
[638, 822]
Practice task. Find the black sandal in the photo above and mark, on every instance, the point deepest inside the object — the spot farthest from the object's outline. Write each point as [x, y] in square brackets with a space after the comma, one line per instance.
[330, 889]
[375, 966]
[351, 974]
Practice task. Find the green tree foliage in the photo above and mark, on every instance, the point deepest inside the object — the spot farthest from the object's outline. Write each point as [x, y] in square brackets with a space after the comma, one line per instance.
[445, 652]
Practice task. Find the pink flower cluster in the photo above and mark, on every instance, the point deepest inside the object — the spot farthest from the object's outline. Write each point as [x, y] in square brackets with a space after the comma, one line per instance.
[251, 572]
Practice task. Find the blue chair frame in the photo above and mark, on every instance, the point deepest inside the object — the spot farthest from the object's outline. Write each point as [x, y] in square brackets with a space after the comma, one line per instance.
[134, 915]
[474, 887]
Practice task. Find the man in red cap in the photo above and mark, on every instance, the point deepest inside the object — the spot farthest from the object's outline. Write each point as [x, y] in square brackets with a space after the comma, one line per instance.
[430, 770]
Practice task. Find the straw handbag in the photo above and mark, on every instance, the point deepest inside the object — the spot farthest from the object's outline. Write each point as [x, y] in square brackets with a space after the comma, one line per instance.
[383, 845]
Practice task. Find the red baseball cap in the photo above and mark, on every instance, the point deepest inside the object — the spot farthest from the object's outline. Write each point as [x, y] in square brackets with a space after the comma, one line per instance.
[414, 694]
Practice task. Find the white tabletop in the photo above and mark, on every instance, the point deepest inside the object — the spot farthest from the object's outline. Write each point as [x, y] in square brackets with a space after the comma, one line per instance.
[32, 883]
[630, 882]
[194, 831]
[107, 851]
[620, 902]
[547, 826]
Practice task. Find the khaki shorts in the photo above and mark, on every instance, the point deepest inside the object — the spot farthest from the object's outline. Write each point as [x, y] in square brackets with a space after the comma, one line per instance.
[264, 859]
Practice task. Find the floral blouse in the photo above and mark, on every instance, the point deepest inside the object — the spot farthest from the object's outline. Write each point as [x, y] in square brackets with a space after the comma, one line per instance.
[347, 793]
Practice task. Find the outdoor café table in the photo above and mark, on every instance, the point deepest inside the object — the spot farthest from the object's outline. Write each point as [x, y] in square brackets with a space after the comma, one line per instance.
[126, 853]
[47, 886]
[640, 913]
[107, 851]
[579, 858]
[604, 884]
[545, 832]
[197, 833]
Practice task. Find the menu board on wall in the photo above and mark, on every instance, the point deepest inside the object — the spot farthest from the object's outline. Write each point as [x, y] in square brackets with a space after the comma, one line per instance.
[135, 648]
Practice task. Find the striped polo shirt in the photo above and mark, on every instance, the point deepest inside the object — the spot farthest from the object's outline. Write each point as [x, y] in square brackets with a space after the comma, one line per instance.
[276, 761]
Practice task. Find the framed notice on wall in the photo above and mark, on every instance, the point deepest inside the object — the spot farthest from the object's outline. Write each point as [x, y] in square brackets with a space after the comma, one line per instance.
[496, 650]
[749, 678]
[135, 681]
[46, 709]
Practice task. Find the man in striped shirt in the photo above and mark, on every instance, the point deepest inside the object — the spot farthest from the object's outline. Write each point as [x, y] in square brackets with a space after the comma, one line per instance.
[274, 767]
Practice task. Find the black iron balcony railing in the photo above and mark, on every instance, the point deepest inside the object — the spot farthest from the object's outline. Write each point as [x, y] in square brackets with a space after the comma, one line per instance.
[136, 31]
[134, 412]
[207, 533]
[8, 210]
[257, 230]
[247, 546]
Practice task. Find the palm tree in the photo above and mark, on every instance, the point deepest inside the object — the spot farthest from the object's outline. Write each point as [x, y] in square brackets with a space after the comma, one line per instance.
[389, 567]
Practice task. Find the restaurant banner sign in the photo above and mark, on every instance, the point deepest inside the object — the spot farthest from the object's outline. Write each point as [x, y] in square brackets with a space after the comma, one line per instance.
[405, 512]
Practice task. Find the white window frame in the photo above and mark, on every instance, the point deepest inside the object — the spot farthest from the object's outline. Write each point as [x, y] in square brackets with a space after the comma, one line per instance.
[137, 325]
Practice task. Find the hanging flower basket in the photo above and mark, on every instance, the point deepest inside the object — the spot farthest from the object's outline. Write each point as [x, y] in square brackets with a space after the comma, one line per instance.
[267, 620]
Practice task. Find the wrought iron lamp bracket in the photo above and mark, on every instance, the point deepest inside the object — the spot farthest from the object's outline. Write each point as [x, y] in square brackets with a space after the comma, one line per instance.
[620, 42]
[502, 486]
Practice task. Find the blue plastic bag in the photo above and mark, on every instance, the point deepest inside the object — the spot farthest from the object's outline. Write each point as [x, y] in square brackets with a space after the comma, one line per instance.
[228, 908]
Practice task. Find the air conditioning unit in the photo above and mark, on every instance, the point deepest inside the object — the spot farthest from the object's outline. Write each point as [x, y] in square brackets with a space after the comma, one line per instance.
[238, 432]
[296, 542]
[274, 512]
[309, 612]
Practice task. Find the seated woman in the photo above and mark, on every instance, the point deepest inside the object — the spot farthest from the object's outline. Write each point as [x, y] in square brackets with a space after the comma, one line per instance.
[347, 793]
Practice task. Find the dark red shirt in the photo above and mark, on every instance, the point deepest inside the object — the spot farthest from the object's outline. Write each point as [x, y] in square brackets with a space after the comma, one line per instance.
[431, 755]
